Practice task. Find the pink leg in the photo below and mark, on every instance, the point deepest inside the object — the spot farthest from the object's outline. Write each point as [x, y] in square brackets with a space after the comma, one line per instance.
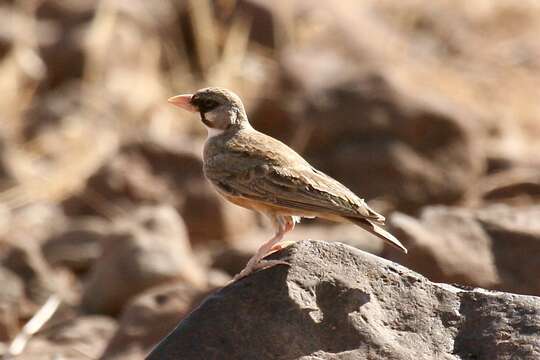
[283, 225]
[283, 244]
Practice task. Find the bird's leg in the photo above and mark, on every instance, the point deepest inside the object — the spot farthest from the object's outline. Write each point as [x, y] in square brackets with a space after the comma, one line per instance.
[282, 225]
[282, 244]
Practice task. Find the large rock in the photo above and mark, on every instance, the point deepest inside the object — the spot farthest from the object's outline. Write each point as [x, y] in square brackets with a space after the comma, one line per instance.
[336, 302]
[148, 318]
[148, 248]
[474, 247]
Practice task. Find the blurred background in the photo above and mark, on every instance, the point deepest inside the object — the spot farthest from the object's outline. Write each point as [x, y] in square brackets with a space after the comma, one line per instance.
[428, 109]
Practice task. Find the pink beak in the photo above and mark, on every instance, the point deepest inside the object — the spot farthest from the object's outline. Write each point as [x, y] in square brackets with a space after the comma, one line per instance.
[183, 101]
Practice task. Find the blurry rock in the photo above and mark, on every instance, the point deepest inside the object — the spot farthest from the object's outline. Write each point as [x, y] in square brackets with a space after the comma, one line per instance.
[515, 186]
[374, 133]
[5, 175]
[34, 223]
[52, 109]
[336, 301]
[26, 261]
[210, 217]
[20, 252]
[446, 245]
[262, 16]
[147, 248]
[217, 278]
[150, 173]
[78, 246]
[82, 338]
[11, 296]
[63, 51]
[515, 238]
[5, 221]
[232, 259]
[474, 247]
[150, 317]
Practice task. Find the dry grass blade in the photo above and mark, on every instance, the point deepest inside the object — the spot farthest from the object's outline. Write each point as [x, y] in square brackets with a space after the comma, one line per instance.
[205, 33]
[33, 326]
[234, 52]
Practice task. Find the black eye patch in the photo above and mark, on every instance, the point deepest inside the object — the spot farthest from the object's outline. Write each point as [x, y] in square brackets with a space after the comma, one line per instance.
[206, 105]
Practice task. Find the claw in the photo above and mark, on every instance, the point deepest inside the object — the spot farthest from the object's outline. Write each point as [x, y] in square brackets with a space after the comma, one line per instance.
[282, 245]
[266, 264]
[260, 265]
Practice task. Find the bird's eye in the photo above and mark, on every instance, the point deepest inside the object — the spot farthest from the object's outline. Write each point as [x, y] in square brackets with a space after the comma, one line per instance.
[209, 104]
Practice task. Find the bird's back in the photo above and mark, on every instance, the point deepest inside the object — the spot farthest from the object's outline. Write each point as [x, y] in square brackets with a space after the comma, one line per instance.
[252, 164]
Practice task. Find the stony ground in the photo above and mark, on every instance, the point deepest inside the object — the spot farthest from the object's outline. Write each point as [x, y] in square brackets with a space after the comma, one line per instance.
[427, 109]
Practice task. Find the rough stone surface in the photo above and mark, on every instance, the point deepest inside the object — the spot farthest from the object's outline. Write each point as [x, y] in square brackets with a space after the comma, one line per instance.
[496, 247]
[147, 249]
[148, 318]
[336, 302]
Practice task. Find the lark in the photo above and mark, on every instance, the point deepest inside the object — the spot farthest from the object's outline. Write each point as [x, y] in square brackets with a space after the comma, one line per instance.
[258, 172]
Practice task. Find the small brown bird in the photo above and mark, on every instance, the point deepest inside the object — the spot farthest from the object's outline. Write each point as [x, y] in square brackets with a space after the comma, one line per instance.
[258, 172]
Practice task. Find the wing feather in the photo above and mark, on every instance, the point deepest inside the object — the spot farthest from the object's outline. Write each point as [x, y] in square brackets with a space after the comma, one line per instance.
[264, 169]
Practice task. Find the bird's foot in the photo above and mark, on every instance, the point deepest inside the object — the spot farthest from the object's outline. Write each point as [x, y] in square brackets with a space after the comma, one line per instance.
[266, 264]
[259, 265]
[281, 245]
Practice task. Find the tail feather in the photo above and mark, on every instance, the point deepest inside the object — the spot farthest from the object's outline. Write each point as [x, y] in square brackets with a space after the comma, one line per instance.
[379, 232]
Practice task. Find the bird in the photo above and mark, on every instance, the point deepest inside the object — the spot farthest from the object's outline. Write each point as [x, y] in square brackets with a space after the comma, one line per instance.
[258, 172]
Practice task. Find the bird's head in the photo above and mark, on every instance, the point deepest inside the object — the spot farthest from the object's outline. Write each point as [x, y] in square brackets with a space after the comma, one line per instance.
[220, 109]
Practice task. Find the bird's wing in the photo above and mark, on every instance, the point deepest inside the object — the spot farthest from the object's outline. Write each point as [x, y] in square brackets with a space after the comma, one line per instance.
[286, 181]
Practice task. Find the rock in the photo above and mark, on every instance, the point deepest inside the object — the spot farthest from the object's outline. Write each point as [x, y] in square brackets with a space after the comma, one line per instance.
[20, 252]
[232, 259]
[338, 302]
[446, 245]
[61, 47]
[26, 261]
[269, 21]
[5, 173]
[147, 248]
[83, 337]
[148, 318]
[34, 223]
[5, 220]
[514, 234]
[149, 172]
[474, 247]
[515, 186]
[11, 296]
[78, 246]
